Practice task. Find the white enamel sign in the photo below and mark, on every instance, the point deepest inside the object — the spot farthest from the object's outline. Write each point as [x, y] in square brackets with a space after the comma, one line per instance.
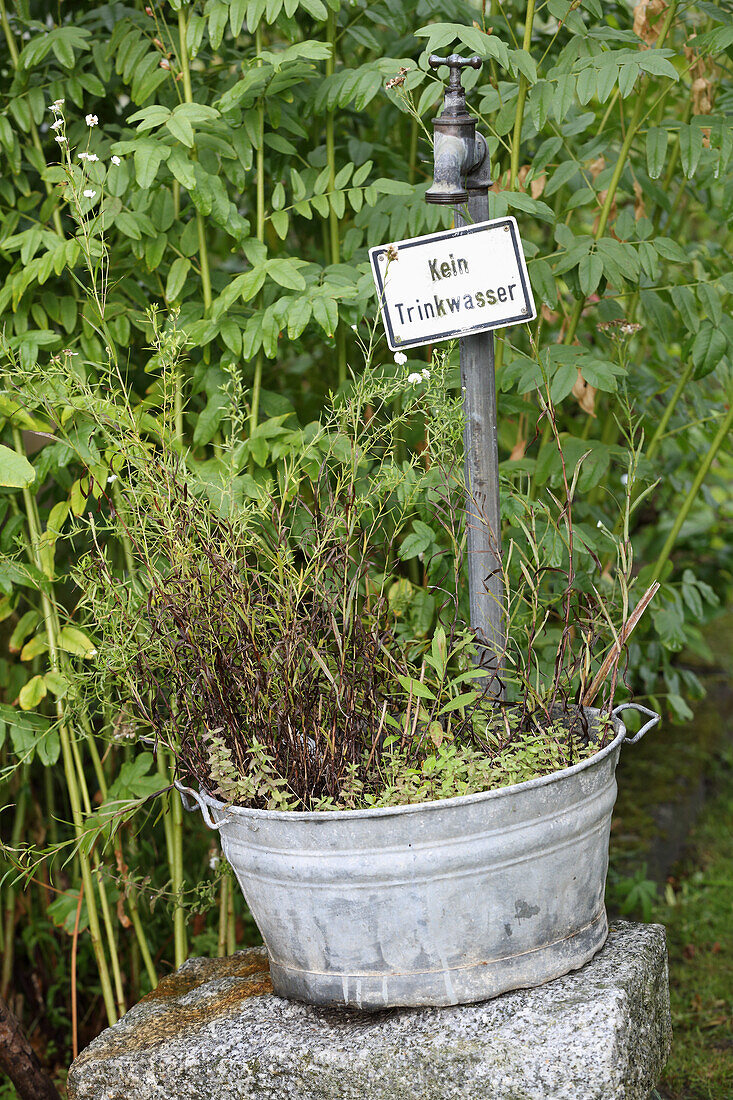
[452, 284]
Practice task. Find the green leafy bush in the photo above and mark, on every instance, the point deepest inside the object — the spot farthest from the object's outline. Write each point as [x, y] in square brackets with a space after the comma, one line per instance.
[260, 152]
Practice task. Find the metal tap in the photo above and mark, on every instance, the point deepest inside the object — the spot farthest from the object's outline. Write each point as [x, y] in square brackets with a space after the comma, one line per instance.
[461, 159]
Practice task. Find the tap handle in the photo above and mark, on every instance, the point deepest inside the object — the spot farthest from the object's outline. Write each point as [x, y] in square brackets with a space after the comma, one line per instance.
[455, 63]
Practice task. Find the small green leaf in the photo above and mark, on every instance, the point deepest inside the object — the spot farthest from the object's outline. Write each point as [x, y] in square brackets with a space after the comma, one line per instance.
[417, 688]
[563, 382]
[463, 700]
[690, 138]
[590, 271]
[49, 748]
[209, 420]
[57, 684]
[627, 77]
[181, 129]
[708, 349]
[653, 62]
[543, 282]
[34, 648]
[656, 150]
[177, 278]
[75, 641]
[586, 85]
[25, 625]
[299, 315]
[286, 274]
[15, 470]
[280, 221]
[32, 693]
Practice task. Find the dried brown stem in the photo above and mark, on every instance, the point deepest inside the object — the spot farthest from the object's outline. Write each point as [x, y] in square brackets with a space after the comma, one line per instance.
[613, 656]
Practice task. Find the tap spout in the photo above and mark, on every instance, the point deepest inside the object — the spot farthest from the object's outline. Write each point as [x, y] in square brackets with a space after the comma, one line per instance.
[452, 159]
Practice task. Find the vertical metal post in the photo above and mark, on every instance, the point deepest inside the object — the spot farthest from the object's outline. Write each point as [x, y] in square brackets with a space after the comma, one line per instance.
[481, 450]
[462, 179]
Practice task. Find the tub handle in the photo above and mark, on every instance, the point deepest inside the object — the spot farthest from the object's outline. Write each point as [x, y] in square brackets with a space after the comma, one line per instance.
[654, 718]
[186, 794]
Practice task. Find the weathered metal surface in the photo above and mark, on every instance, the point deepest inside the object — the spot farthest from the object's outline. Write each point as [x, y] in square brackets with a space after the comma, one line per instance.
[440, 903]
[455, 150]
[481, 459]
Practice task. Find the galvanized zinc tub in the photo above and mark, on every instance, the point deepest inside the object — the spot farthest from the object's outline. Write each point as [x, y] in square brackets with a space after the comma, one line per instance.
[439, 903]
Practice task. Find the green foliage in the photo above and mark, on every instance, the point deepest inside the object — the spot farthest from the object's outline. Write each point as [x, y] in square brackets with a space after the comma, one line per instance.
[244, 157]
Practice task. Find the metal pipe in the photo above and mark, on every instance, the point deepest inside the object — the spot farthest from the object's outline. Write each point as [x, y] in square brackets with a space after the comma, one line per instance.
[481, 451]
[462, 176]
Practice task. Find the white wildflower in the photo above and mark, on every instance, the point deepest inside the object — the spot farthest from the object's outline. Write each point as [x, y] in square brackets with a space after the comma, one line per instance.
[400, 358]
[624, 479]
[416, 379]
[57, 124]
[214, 860]
[61, 139]
[425, 373]
[599, 523]
[89, 194]
[91, 120]
[111, 478]
[56, 106]
[353, 328]
[116, 160]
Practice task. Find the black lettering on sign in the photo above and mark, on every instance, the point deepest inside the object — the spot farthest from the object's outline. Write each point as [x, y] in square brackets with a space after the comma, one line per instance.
[442, 307]
[454, 267]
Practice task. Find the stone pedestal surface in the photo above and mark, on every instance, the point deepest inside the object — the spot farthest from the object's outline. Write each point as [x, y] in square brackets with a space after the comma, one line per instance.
[215, 1031]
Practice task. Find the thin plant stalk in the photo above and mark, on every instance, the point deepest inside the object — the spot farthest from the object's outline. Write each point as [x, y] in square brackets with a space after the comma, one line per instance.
[52, 632]
[173, 827]
[74, 947]
[221, 947]
[137, 925]
[9, 907]
[188, 98]
[669, 408]
[691, 497]
[333, 221]
[111, 940]
[180, 938]
[254, 413]
[521, 98]
[200, 224]
[231, 924]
